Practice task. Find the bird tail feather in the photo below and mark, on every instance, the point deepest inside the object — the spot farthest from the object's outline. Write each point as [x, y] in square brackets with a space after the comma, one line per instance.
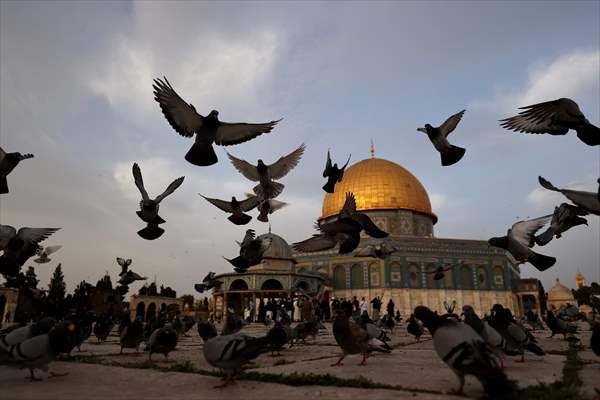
[589, 135]
[151, 232]
[547, 185]
[239, 263]
[242, 219]
[452, 156]
[3, 185]
[545, 238]
[202, 155]
[273, 190]
[329, 187]
[540, 261]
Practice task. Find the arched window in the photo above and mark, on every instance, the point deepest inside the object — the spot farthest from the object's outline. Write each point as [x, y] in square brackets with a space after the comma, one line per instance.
[140, 310]
[151, 312]
[374, 275]
[271, 284]
[466, 277]
[339, 277]
[238, 284]
[395, 274]
[356, 276]
[414, 276]
[498, 277]
[482, 278]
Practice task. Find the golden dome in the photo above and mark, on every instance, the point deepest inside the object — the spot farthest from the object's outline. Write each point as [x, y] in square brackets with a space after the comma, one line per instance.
[378, 184]
[560, 294]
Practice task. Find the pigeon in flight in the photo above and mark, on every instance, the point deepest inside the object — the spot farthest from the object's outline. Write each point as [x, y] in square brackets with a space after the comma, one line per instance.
[129, 277]
[266, 175]
[554, 117]
[267, 207]
[333, 174]
[236, 208]
[124, 263]
[208, 130]
[43, 254]
[439, 272]
[519, 240]
[381, 250]
[208, 283]
[149, 208]
[439, 137]
[20, 246]
[589, 201]
[465, 352]
[251, 252]
[8, 162]
[564, 218]
[345, 231]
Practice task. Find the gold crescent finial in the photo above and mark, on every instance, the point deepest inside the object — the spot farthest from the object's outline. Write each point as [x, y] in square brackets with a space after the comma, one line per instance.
[372, 149]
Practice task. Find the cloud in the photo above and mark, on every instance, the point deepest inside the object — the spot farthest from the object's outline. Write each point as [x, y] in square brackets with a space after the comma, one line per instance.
[438, 201]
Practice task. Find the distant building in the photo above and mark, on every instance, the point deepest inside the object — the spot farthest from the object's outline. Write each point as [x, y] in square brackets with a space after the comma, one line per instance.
[560, 296]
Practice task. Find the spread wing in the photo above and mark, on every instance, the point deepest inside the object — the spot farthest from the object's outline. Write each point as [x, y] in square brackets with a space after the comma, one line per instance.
[2, 153]
[245, 168]
[369, 226]
[221, 204]
[523, 231]
[35, 235]
[318, 242]
[52, 249]
[181, 115]
[285, 164]
[239, 132]
[538, 118]
[137, 177]
[368, 251]
[450, 124]
[170, 189]
[249, 203]
[327, 166]
[247, 239]
[7, 232]
[349, 208]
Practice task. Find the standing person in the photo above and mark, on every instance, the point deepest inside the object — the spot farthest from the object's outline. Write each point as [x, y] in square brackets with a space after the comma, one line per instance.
[364, 307]
[390, 309]
[306, 309]
[296, 313]
[325, 306]
[376, 307]
[269, 308]
[251, 309]
[289, 308]
[347, 307]
[335, 305]
[261, 311]
[7, 319]
[355, 306]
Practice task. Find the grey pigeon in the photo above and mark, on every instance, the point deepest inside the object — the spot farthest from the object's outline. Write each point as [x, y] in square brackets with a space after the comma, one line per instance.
[131, 277]
[345, 231]
[149, 208]
[132, 335]
[8, 162]
[333, 173]
[564, 218]
[233, 323]
[465, 352]
[267, 207]
[163, 341]
[206, 330]
[485, 330]
[305, 329]
[266, 175]
[554, 117]
[415, 328]
[20, 334]
[519, 240]
[558, 325]
[379, 250]
[517, 338]
[251, 252]
[44, 252]
[450, 154]
[236, 208]
[208, 130]
[124, 263]
[19, 246]
[353, 339]
[588, 201]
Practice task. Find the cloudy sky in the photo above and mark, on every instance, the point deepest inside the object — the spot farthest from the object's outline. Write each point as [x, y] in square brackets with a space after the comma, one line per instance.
[75, 90]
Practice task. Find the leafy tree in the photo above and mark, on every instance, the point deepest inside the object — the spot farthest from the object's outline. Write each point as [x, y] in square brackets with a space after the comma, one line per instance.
[56, 291]
[143, 291]
[31, 278]
[167, 292]
[104, 283]
[189, 300]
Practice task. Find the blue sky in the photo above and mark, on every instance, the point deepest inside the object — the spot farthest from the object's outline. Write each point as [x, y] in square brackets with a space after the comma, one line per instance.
[75, 90]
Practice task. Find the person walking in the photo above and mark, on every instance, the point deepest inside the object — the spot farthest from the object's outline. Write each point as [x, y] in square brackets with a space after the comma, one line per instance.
[390, 309]
[364, 307]
[376, 307]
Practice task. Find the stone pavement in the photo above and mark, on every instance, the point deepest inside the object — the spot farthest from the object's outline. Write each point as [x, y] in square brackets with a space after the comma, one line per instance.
[412, 370]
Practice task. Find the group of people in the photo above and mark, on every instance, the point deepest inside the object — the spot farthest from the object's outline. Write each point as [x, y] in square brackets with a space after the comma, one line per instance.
[271, 309]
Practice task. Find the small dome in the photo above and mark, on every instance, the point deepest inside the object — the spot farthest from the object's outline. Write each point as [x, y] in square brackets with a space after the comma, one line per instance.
[560, 294]
[279, 248]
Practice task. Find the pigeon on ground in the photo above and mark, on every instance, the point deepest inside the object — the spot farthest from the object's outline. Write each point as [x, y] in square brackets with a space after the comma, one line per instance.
[124, 323]
[465, 352]
[85, 324]
[554, 117]
[184, 119]
[103, 327]
[333, 174]
[345, 231]
[266, 175]
[373, 330]
[415, 328]
[206, 330]
[188, 323]
[439, 137]
[233, 323]
[36, 352]
[519, 240]
[8, 162]
[305, 329]
[132, 335]
[131, 277]
[489, 334]
[21, 334]
[267, 207]
[517, 338]
[559, 326]
[380, 250]
[439, 272]
[251, 252]
[564, 218]
[162, 341]
[231, 352]
[149, 208]
[278, 337]
[19, 246]
[353, 339]
[124, 263]
[236, 208]
[43, 254]
[588, 201]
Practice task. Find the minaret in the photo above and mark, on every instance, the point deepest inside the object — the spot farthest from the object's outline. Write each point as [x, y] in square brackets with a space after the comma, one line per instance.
[580, 280]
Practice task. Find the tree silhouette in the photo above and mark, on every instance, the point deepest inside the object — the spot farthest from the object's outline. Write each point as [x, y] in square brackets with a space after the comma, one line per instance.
[31, 278]
[56, 292]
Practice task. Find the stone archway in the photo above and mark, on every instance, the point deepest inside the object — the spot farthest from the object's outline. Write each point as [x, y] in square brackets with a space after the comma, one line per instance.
[271, 284]
[140, 310]
[238, 284]
[151, 312]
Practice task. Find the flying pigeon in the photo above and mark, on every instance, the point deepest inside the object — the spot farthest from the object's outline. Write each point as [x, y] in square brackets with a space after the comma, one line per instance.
[149, 208]
[564, 218]
[132, 335]
[353, 339]
[381, 250]
[163, 341]
[465, 352]
[19, 246]
[8, 162]
[236, 208]
[266, 175]
[267, 207]
[517, 338]
[439, 137]
[588, 201]
[415, 328]
[559, 326]
[333, 174]
[520, 238]
[345, 231]
[439, 272]
[208, 283]
[43, 253]
[208, 130]
[251, 251]
[554, 117]
[124, 263]
[129, 277]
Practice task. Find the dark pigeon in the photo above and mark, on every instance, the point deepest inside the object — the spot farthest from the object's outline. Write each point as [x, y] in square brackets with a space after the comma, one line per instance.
[333, 173]
[414, 328]
[163, 341]
[588, 201]
[206, 330]
[438, 272]
[132, 335]
[379, 250]
[251, 252]
[517, 338]
[450, 154]
[124, 263]
[595, 339]
[564, 218]
[8, 162]
[559, 326]
[18, 247]
[277, 337]
[236, 208]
